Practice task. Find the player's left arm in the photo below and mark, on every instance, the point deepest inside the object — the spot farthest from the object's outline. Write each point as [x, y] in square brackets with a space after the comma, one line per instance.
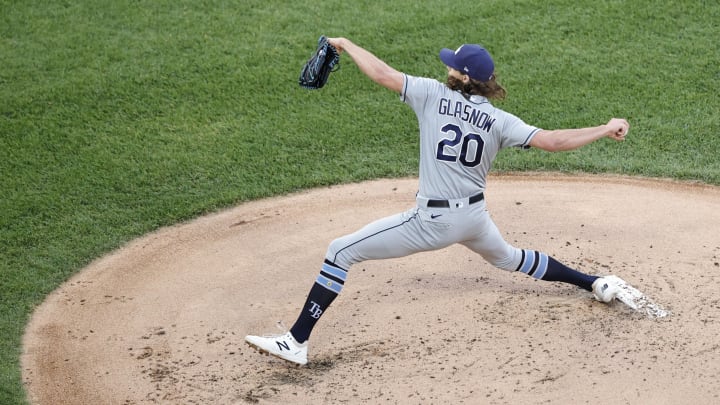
[569, 139]
[376, 69]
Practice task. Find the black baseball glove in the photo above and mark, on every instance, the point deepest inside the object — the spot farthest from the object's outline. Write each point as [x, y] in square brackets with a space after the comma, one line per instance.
[317, 69]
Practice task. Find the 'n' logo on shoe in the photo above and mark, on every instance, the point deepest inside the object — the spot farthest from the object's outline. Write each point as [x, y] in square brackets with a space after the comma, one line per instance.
[282, 345]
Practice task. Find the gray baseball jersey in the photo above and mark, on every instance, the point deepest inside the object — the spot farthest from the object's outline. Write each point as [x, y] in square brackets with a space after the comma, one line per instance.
[459, 137]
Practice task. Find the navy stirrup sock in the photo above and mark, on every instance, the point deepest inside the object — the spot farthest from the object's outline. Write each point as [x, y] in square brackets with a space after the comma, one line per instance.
[557, 271]
[544, 267]
[326, 288]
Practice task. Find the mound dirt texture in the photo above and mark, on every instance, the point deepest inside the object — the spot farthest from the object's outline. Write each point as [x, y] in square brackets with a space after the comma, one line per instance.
[163, 319]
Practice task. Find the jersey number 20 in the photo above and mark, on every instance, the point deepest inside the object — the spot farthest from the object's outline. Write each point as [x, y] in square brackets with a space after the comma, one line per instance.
[467, 141]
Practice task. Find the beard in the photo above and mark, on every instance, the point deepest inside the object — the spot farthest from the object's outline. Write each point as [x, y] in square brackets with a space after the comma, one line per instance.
[454, 83]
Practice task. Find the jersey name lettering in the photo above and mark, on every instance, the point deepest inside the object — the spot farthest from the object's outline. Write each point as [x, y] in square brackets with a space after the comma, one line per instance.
[467, 113]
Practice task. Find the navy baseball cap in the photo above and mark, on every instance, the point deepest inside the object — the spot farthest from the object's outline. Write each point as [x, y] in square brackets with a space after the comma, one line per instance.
[473, 60]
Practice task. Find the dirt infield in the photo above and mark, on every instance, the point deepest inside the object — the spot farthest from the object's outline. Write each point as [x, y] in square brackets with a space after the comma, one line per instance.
[163, 319]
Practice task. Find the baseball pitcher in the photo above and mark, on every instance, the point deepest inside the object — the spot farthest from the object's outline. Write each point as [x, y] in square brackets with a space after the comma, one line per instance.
[461, 132]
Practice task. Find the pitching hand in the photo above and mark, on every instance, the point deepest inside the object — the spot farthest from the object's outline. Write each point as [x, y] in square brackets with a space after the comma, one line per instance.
[617, 129]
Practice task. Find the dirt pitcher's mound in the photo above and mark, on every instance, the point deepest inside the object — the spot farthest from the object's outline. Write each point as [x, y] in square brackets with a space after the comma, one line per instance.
[163, 320]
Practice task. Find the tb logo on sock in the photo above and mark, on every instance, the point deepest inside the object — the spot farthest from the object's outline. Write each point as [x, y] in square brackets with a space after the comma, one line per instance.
[315, 310]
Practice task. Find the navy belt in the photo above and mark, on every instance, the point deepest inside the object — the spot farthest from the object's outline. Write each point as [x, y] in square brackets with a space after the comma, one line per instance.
[446, 203]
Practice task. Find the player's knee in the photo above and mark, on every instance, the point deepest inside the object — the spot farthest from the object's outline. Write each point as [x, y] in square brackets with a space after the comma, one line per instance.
[336, 253]
[334, 247]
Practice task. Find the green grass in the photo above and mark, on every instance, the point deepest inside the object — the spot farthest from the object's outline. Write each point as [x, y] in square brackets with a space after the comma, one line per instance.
[119, 117]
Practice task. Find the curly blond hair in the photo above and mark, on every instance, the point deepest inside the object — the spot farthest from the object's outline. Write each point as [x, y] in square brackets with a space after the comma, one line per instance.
[490, 89]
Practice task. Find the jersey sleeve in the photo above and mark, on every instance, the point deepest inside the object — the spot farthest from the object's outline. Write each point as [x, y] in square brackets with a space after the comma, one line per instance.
[516, 133]
[416, 90]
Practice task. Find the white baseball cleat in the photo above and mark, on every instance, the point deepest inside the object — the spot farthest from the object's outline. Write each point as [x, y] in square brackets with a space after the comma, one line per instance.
[283, 346]
[607, 288]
